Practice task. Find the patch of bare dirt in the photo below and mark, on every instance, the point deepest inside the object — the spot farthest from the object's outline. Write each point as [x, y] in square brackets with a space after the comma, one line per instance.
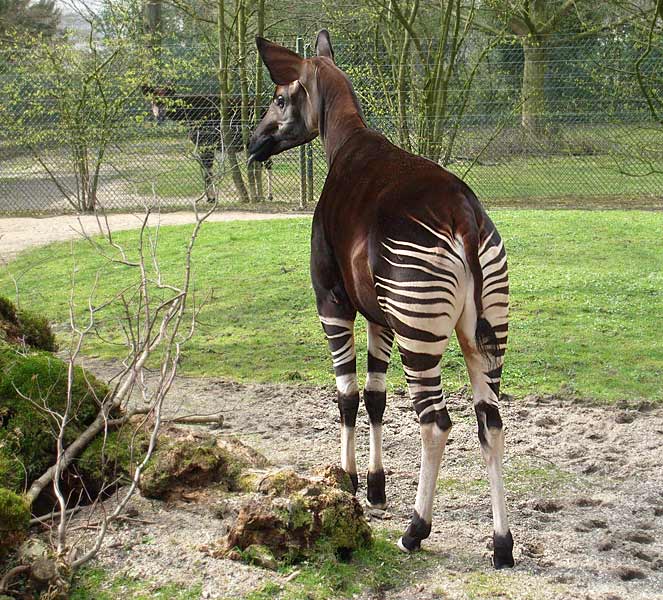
[19, 233]
[584, 484]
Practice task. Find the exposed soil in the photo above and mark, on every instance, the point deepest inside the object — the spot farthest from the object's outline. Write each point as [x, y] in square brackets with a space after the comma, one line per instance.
[20, 233]
[585, 495]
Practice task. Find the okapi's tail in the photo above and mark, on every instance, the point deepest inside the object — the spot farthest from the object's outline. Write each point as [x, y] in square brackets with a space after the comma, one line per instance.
[484, 336]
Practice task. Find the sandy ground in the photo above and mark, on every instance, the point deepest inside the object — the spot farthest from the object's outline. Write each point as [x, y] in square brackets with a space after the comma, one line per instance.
[585, 495]
[19, 233]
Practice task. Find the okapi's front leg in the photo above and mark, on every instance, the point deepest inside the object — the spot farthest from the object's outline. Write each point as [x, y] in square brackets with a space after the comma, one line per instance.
[339, 330]
[380, 340]
[206, 159]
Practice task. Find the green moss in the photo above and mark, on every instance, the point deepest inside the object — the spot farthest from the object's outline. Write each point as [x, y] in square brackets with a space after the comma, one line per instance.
[299, 515]
[343, 522]
[24, 327]
[14, 519]
[178, 462]
[112, 457]
[27, 380]
[282, 483]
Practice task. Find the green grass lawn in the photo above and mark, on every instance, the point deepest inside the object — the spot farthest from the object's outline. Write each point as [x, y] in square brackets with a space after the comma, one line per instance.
[587, 300]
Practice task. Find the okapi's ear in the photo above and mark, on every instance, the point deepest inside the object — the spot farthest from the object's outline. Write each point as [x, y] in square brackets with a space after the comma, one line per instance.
[323, 44]
[284, 65]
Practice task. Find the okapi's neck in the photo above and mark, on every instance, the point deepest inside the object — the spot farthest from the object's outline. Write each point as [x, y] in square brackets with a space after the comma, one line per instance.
[339, 111]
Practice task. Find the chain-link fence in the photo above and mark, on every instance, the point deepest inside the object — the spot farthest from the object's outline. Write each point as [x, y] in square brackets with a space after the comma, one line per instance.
[588, 140]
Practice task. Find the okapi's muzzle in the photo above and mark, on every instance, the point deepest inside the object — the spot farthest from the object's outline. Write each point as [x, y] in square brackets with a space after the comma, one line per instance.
[261, 147]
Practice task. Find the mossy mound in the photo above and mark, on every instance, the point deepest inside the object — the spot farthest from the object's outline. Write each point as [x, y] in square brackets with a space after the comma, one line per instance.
[183, 462]
[111, 459]
[14, 519]
[27, 382]
[22, 327]
[293, 514]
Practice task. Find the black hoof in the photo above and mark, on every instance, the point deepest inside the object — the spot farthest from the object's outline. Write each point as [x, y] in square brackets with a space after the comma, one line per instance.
[355, 482]
[375, 493]
[416, 531]
[503, 551]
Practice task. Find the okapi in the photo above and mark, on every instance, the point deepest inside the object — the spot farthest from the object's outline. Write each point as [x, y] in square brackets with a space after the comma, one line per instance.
[202, 116]
[407, 244]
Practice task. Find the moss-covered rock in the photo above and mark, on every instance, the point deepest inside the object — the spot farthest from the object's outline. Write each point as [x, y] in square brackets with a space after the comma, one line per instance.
[28, 380]
[294, 513]
[182, 463]
[282, 483]
[14, 519]
[19, 326]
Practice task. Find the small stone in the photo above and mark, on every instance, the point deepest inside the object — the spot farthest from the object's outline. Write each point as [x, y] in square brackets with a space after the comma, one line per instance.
[31, 550]
[43, 571]
[642, 555]
[547, 506]
[624, 417]
[626, 573]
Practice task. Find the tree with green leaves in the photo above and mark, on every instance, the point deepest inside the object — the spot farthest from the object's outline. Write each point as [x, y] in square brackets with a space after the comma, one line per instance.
[41, 17]
[72, 97]
[535, 22]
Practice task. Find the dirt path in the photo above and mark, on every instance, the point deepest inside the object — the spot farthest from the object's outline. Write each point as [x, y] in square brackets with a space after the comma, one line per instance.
[585, 495]
[20, 233]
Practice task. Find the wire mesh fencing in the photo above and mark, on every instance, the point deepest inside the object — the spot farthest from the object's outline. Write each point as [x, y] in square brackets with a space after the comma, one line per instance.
[588, 139]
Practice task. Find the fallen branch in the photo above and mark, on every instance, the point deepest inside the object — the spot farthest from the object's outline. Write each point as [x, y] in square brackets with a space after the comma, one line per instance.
[216, 420]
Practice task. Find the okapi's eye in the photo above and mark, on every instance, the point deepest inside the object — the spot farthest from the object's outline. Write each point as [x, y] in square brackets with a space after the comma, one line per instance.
[280, 101]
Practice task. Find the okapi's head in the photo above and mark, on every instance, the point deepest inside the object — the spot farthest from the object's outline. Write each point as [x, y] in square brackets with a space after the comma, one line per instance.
[158, 97]
[292, 117]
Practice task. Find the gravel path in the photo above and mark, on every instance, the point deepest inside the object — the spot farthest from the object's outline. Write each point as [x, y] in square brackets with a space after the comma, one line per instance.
[20, 233]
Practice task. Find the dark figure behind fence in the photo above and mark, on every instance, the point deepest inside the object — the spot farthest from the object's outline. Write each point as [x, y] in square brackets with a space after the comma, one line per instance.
[202, 116]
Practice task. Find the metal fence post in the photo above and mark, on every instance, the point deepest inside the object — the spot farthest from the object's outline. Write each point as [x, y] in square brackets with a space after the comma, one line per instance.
[309, 153]
[302, 149]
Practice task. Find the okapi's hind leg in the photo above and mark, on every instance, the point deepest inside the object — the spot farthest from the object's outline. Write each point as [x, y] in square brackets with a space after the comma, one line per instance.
[380, 340]
[340, 335]
[423, 376]
[483, 343]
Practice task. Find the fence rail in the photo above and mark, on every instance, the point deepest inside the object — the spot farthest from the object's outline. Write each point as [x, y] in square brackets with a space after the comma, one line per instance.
[596, 139]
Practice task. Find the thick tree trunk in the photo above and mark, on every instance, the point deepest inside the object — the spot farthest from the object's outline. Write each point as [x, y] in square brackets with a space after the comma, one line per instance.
[533, 93]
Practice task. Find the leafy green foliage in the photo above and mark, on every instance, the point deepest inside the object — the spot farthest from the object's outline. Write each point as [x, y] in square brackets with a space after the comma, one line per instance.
[34, 18]
[75, 97]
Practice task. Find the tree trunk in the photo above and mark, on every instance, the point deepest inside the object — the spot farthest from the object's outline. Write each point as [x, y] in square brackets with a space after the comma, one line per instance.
[257, 100]
[533, 93]
[244, 92]
[237, 175]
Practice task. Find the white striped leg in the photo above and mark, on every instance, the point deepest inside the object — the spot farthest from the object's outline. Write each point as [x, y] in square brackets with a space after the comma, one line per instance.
[435, 425]
[380, 340]
[484, 366]
[340, 336]
[485, 378]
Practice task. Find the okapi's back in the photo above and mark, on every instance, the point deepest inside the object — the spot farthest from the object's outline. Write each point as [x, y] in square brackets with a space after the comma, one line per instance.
[376, 192]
